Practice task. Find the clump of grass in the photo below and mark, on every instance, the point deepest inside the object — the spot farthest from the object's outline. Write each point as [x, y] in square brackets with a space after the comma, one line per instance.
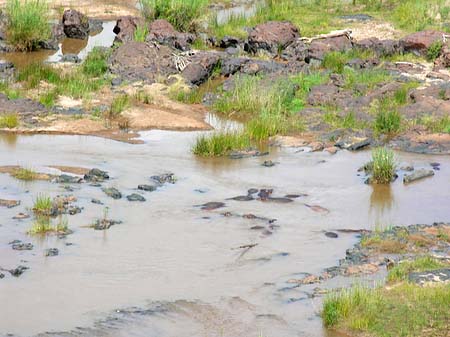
[401, 271]
[9, 121]
[180, 13]
[335, 61]
[383, 165]
[387, 121]
[118, 105]
[41, 225]
[140, 33]
[220, 143]
[265, 126]
[368, 77]
[23, 173]
[434, 50]
[96, 63]
[405, 310]
[143, 97]
[33, 74]
[42, 205]
[436, 124]
[27, 23]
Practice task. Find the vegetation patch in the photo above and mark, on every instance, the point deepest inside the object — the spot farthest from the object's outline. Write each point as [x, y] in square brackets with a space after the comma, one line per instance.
[382, 166]
[401, 271]
[26, 174]
[42, 205]
[27, 23]
[220, 143]
[9, 121]
[44, 225]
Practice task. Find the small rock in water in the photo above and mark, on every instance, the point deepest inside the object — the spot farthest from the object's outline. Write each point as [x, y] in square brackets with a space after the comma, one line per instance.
[9, 203]
[112, 192]
[317, 208]
[135, 197]
[51, 252]
[278, 200]
[268, 163]
[96, 201]
[21, 216]
[417, 175]
[67, 179]
[16, 272]
[435, 164]
[252, 191]
[103, 224]
[96, 175]
[331, 235]
[2, 275]
[148, 188]
[408, 168]
[22, 246]
[209, 206]
[257, 227]
[295, 196]
[265, 193]
[242, 198]
[165, 178]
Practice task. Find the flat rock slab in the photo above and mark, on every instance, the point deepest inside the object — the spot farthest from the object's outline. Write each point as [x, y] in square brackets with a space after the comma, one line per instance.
[424, 278]
[417, 175]
[9, 203]
[112, 192]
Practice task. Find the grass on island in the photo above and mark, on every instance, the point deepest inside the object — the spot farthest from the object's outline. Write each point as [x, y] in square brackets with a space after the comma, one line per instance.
[182, 14]
[23, 173]
[220, 143]
[43, 225]
[401, 271]
[42, 205]
[9, 121]
[382, 166]
[27, 23]
[404, 310]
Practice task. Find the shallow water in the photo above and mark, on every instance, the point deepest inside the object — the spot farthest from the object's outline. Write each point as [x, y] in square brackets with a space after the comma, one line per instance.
[169, 269]
[67, 46]
[240, 11]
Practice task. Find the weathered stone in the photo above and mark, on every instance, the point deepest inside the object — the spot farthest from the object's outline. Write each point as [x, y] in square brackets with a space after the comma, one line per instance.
[125, 28]
[320, 47]
[22, 246]
[296, 51]
[76, 24]
[67, 179]
[164, 178]
[95, 175]
[112, 192]
[380, 47]
[417, 175]
[163, 32]
[16, 272]
[51, 252]
[229, 41]
[148, 188]
[419, 42]
[135, 197]
[9, 203]
[272, 36]
[425, 278]
[201, 67]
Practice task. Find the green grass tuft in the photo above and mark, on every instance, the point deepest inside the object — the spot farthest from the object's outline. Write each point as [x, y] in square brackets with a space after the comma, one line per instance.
[383, 165]
[220, 143]
[9, 121]
[140, 33]
[27, 23]
[26, 174]
[400, 272]
[96, 63]
[434, 50]
[42, 205]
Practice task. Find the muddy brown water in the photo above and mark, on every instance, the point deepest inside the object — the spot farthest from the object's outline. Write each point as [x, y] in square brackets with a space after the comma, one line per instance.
[169, 269]
[67, 46]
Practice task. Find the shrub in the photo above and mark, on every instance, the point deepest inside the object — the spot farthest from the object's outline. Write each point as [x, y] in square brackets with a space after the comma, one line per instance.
[220, 143]
[27, 24]
[434, 50]
[9, 121]
[383, 165]
[180, 13]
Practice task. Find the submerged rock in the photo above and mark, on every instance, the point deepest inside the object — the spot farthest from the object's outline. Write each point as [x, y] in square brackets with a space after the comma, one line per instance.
[51, 252]
[268, 163]
[9, 203]
[164, 178]
[148, 188]
[272, 36]
[331, 235]
[96, 201]
[96, 175]
[16, 272]
[209, 206]
[135, 197]
[417, 175]
[103, 224]
[22, 246]
[112, 192]
[68, 179]
[21, 216]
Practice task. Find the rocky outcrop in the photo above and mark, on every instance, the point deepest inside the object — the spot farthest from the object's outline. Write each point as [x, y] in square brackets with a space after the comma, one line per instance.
[142, 61]
[380, 47]
[125, 28]
[76, 24]
[201, 67]
[163, 32]
[419, 42]
[320, 47]
[272, 36]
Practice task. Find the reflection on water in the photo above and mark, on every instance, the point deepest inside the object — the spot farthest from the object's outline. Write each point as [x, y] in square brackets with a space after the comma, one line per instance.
[68, 46]
[10, 139]
[242, 11]
[381, 202]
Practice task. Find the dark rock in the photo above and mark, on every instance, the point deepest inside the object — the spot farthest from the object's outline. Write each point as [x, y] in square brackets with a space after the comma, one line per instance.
[16, 272]
[380, 47]
[139, 61]
[95, 26]
[76, 24]
[67, 179]
[331, 235]
[112, 192]
[22, 246]
[230, 66]
[70, 58]
[96, 201]
[104, 224]
[51, 252]
[209, 206]
[163, 32]
[280, 200]
[229, 41]
[417, 175]
[268, 163]
[419, 42]
[242, 198]
[247, 154]
[164, 178]
[443, 61]
[252, 191]
[2, 275]
[320, 47]
[25, 107]
[96, 175]
[125, 28]
[272, 36]
[265, 193]
[21, 216]
[296, 51]
[135, 197]
[148, 188]
[201, 67]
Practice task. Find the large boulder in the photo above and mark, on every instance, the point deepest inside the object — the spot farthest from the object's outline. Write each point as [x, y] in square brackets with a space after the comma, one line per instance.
[380, 47]
[142, 61]
[272, 36]
[320, 47]
[201, 67]
[125, 28]
[163, 32]
[76, 24]
[419, 42]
